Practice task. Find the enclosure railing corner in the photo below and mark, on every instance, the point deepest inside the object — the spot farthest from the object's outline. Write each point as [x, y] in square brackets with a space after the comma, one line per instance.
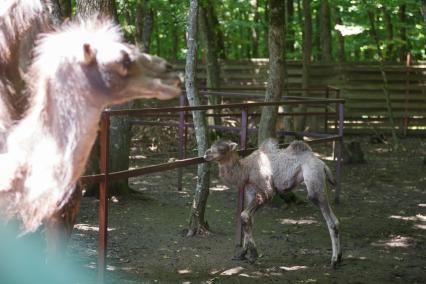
[181, 112]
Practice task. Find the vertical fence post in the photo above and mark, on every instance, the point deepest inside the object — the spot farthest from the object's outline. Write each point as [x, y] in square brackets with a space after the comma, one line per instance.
[339, 153]
[240, 197]
[103, 196]
[244, 126]
[182, 135]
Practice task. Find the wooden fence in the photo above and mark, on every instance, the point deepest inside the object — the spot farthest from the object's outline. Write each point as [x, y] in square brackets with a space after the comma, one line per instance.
[361, 86]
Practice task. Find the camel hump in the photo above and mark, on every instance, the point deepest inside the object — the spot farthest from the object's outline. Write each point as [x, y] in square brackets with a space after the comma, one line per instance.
[269, 145]
[299, 146]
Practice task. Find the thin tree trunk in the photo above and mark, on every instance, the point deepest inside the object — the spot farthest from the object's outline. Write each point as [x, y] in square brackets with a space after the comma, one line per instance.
[375, 37]
[212, 66]
[219, 36]
[340, 38]
[306, 59]
[144, 23]
[157, 39]
[66, 8]
[266, 28]
[197, 224]
[403, 31]
[276, 69]
[56, 13]
[424, 14]
[326, 49]
[103, 7]
[317, 34]
[209, 40]
[290, 34]
[255, 29]
[174, 33]
[389, 33]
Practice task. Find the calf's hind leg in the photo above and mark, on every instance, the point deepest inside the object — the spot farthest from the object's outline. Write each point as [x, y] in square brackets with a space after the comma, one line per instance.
[316, 195]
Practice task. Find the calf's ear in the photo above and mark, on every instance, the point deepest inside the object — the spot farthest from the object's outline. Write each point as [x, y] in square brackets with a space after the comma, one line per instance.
[233, 146]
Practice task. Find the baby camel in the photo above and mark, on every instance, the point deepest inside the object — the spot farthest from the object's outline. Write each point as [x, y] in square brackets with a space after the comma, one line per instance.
[268, 171]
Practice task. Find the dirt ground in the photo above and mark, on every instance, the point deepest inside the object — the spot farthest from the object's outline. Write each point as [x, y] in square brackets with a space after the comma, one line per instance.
[382, 215]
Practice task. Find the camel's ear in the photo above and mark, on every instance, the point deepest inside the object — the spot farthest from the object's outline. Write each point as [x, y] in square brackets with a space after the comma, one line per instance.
[233, 146]
[89, 54]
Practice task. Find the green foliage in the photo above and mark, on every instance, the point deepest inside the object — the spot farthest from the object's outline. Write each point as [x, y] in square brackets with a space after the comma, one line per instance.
[238, 23]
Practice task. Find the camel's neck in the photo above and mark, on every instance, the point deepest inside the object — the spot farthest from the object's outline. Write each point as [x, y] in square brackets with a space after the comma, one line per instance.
[231, 171]
[60, 123]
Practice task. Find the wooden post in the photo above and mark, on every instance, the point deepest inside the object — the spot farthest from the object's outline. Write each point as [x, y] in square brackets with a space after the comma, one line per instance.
[103, 197]
[240, 196]
[327, 95]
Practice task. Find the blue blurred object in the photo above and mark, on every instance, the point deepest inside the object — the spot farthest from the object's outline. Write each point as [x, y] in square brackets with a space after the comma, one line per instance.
[23, 261]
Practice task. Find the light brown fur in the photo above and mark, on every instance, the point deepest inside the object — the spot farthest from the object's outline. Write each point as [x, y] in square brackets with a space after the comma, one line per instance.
[271, 170]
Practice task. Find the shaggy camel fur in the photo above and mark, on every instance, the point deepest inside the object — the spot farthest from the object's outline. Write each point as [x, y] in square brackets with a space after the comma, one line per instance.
[268, 171]
[77, 72]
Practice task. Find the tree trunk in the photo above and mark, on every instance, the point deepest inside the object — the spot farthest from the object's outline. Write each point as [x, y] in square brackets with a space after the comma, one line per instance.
[326, 48]
[276, 69]
[220, 38]
[266, 27]
[174, 32]
[66, 8]
[144, 23]
[197, 224]
[375, 37]
[424, 14]
[403, 32]
[255, 29]
[209, 42]
[306, 59]
[56, 13]
[389, 34]
[317, 55]
[157, 39]
[290, 34]
[340, 38]
[120, 127]
[102, 7]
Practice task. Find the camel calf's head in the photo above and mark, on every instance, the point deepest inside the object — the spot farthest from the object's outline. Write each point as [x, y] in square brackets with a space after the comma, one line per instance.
[220, 150]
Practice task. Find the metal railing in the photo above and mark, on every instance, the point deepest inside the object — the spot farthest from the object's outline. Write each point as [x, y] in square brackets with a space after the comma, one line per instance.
[105, 176]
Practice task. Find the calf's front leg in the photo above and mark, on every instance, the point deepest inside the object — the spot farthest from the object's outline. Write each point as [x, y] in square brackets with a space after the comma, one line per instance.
[249, 245]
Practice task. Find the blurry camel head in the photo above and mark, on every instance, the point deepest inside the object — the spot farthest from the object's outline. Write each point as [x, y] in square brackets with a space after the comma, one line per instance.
[93, 57]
